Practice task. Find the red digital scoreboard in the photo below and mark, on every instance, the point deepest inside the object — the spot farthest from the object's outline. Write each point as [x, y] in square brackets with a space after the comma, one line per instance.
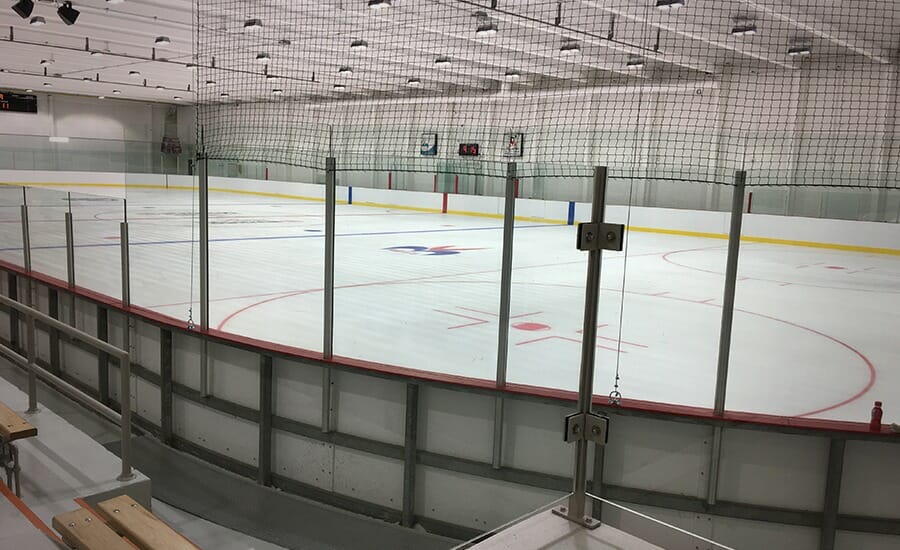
[18, 103]
[468, 150]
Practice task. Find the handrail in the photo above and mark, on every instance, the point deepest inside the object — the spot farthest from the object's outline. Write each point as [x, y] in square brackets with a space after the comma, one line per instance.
[123, 420]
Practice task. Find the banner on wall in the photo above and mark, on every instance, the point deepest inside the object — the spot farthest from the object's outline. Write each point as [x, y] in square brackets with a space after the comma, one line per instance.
[428, 145]
[513, 145]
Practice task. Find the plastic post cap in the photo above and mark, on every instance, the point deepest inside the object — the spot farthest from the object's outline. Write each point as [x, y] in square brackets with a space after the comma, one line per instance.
[878, 403]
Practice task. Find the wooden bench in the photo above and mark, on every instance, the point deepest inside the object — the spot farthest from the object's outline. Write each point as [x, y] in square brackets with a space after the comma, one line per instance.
[12, 428]
[119, 524]
[140, 526]
[82, 530]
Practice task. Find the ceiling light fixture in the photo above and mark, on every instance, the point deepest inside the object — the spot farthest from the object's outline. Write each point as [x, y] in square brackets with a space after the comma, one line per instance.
[669, 4]
[24, 8]
[160, 87]
[359, 45]
[284, 42]
[96, 54]
[48, 85]
[277, 91]
[252, 25]
[37, 21]
[177, 98]
[134, 74]
[223, 94]
[67, 13]
[210, 82]
[345, 71]
[29, 91]
[271, 76]
[379, 4]
[799, 51]
[114, 1]
[340, 88]
[262, 58]
[414, 83]
[117, 92]
[484, 25]
[513, 75]
[45, 62]
[442, 61]
[162, 41]
[570, 48]
[634, 63]
[743, 28]
[101, 97]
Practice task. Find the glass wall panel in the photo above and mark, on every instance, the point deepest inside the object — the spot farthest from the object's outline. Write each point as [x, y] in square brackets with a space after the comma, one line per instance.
[11, 199]
[96, 220]
[46, 220]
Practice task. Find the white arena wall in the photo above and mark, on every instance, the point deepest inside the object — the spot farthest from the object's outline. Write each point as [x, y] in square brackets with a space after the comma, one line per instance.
[427, 453]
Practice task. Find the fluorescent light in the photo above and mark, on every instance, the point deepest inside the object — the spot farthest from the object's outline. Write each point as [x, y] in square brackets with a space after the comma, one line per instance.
[29, 91]
[45, 62]
[57, 139]
[340, 88]
[634, 63]
[262, 58]
[223, 94]
[486, 29]
[162, 41]
[97, 54]
[743, 28]
[442, 61]
[48, 85]
[134, 74]
[37, 21]
[86, 78]
[210, 82]
[359, 45]
[271, 76]
[414, 83]
[277, 91]
[160, 87]
[101, 97]
[252, 25]
[284, 42]
[669, 4]
[513, 75]
[345, 71]
[114, 1]
[379, 4]
[177, 98]
[570, 48]
[117, 92]
[799, 51]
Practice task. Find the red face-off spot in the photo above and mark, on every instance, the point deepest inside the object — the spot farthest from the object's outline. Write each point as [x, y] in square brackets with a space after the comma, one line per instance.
[531, 327]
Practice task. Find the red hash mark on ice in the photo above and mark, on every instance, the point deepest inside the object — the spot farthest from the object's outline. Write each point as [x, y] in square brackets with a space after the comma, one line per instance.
[567, 339]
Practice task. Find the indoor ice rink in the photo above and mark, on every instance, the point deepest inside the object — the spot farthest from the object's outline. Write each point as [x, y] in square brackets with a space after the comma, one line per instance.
[480, 274]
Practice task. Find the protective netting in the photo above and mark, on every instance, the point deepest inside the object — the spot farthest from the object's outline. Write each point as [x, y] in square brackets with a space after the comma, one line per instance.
[795, 92]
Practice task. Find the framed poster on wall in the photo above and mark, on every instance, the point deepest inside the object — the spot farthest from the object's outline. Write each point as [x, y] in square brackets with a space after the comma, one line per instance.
[428, 145]
[512, 145]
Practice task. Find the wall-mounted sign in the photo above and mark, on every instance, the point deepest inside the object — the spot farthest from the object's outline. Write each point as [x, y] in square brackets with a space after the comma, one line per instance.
[428, 145]
[512, 145]
[18, 103]
[468, 150]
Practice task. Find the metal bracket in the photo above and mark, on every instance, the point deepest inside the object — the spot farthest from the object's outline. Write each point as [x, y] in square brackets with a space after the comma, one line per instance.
[601, 236]
[587, 426]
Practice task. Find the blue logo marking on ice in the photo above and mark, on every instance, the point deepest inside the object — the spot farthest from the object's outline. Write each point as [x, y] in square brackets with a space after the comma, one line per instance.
[445, 250]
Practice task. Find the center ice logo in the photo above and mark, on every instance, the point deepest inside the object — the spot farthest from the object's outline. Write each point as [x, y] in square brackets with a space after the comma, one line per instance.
[446, 250]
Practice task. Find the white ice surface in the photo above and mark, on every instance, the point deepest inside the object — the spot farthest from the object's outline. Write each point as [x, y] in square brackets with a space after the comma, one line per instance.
[815, 332]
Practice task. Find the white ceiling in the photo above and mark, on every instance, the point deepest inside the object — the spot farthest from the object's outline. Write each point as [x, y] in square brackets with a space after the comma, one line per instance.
[405, 39]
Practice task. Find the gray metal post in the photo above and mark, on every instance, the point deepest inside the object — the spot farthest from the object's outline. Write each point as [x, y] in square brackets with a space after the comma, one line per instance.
[330, 209]
[165, 385]
[731, 268]
[203, 178]
[409, 455]
[832, 494]
[30, 337]
[715, 458]
[509, 223]
[125, 362]
[102, 356]
[70, 250]
[327, 398]
[576, 509]
[266, 410]
[12, 286]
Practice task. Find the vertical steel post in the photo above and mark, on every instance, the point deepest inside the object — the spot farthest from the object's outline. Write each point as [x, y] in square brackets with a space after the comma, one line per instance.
[588, 349]
[264, 473]
[203, 191]
[410, 443]
[53, 311]
[30, 337]
[165, 385]
[731, 268]
[330, 210]
[509, 223]
[102, 356]
[832, 493]
[70, 250]
[328, 336]
[12, 287]
[715, 458]
[125, 362]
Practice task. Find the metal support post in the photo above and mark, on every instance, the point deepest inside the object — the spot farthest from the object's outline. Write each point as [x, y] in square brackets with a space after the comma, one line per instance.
[410, 443]
[165, 386]
[264, 474]
[584, 426]
[330, 209]
[327, 398]
[731, 267]
[12, 287]
[832, 493]
[509, 222]
[203, 178]
[53, 311]
[70, 250]
[102, 356]
[597, 485]
[715, 457]
[30, 337]
[125, 361]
